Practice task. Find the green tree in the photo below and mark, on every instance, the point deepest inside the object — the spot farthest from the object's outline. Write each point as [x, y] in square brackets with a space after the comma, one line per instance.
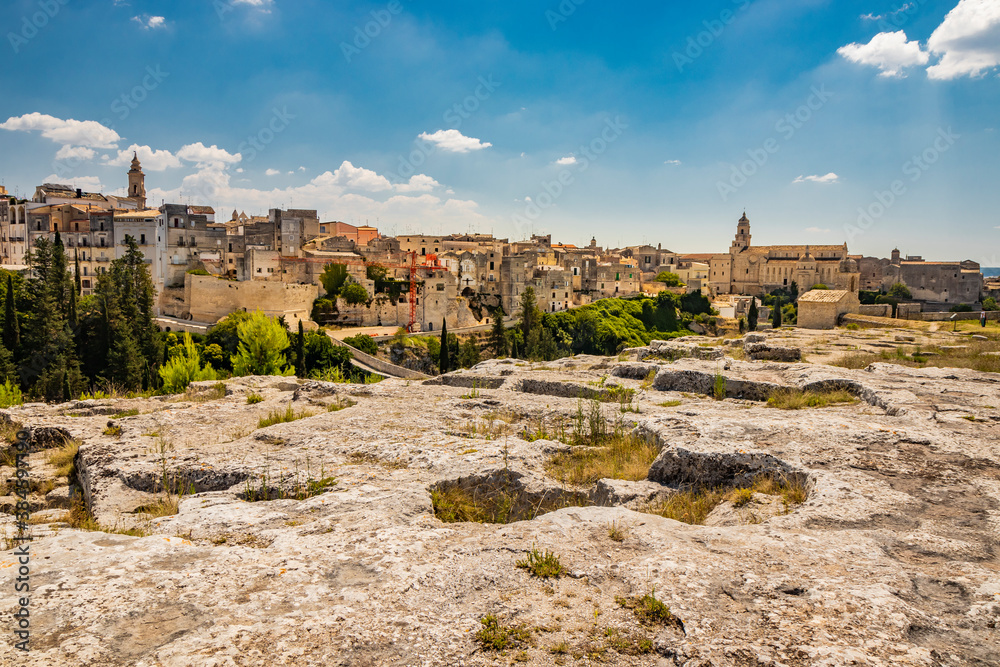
[379, 274]
[469, 355]
[530, 316]
[669, 279]
[354, 294]
[752, 316]
[333, 278]
[444, 361]
[261, 350]
[789, 313]
[11, 328]
[498, 335]
[184, 368]
[226, 335]
[793, 291]
[776, 314]
[899, 291]
[989, 303]
[300, 353]
[363, 342]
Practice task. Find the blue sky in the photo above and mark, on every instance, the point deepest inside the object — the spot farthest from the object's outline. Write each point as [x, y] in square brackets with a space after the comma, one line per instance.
[657, 123]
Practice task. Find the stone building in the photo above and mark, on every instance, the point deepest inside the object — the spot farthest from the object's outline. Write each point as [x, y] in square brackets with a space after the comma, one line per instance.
[930, 282]
[821, 309]
[757, 270]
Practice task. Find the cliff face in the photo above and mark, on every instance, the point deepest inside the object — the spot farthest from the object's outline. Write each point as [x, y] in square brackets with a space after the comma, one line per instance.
[321, 541]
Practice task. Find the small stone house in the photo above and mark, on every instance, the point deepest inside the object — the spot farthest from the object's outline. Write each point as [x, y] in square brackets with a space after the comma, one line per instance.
[821, 309]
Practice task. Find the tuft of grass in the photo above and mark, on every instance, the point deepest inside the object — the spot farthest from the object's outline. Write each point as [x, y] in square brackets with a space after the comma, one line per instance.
[796, 399]
[125, 413]
[542, 564]
[719, 387]
[254, 399]
[113, 430]
[282, 417]
[617, 531]
[340, 404]
[693, 506]
[649, 610]
[475, 393]
[741, 497]
[495, 636]
[621, 455]
[166, 506]
[972, 354]
[81, 519]
[670, 404]
[64, 459]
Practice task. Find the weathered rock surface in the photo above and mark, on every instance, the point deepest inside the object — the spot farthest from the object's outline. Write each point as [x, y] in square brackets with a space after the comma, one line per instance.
[892, 560]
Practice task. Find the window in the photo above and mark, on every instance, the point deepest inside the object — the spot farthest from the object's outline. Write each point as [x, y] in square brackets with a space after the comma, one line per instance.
[440, 287]
[85, 283]
[77, 225]
[258, 270]
[102, 242]
[230, 247]
[142, 239]
[491, 266]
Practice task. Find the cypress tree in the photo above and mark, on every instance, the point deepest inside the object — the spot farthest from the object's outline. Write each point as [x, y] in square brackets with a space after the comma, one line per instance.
[752, 316]
[498, 336]
[300, 352]
[776, 317]
[11, 329]
[443, 362]
[76, 271]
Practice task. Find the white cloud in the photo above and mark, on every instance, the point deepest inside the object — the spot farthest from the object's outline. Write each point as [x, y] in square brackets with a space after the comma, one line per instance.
[453, 141]
[354, 178]
[152, 160]
[87, 183]
[879, 17]
[826, 180]
[67, 132]
[675, 163]
[817, 230]
[207, 156]
[150, 22]
[302, 168]
[271, 172]
[75, 153]
[889, 51]
[418, 183]
[566, 161]
[968, 40]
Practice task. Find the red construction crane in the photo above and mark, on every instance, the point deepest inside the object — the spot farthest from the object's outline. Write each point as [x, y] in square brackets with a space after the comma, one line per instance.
[431, 264]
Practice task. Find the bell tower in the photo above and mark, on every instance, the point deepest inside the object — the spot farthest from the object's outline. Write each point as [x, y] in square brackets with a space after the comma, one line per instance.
[137, 183]
[742, 241]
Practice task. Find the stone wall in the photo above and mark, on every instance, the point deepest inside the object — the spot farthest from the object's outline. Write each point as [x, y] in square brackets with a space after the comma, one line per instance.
[210, 299]
[877, 309]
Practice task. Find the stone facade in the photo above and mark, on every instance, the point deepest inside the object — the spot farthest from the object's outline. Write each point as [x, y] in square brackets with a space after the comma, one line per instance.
[821, 309]
[757, 270]
[209, 299]
[936, 282]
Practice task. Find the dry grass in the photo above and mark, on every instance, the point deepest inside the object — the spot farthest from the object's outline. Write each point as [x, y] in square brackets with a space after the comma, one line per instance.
[63, 459]
[694, 505]
[283, 417]
[621, 455]
[796, 399]
[962, 353]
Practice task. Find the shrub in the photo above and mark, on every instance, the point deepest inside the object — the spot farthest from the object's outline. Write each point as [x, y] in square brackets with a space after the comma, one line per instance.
[494, 636]
[794, 399]
[354, 294]
[184, 368]
[961, 308]
[900, 291]
[333, 278]
[10, 394]
[648, 610]
[199, 272]
[253, 399]
[262, 342]
[989, 303]
[669, 279]
[363, 342]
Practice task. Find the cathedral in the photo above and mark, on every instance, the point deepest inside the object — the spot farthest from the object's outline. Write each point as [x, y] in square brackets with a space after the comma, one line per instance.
[758, 270]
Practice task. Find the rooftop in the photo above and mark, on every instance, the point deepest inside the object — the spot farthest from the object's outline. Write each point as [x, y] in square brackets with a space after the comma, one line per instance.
[824, 296]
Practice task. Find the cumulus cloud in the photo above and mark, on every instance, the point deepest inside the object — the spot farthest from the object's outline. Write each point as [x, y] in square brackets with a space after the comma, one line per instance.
[418, 183]
[152, 160]
[150, 22]
[566, 161]
[67, 132]
[354, 178]
[826, 180]
[891, 52]
[453, 141]
[675, 163]
[75, 153]
[271, 172]
[207, 156]
[968, 40]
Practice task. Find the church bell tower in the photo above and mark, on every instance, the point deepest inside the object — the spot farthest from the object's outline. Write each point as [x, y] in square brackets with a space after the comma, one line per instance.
[742, 241]
[137, 183]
